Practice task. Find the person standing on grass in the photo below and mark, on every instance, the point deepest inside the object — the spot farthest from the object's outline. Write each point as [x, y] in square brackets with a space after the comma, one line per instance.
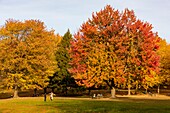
[51, 96]
[45, 96]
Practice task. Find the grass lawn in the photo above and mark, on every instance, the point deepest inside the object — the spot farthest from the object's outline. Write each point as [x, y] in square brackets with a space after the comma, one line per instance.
[61, 105]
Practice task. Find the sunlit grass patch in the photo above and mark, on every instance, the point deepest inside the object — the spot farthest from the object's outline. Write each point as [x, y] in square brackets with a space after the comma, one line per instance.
[61, 105]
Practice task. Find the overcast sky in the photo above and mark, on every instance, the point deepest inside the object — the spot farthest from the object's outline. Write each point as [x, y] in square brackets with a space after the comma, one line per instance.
[61, 15]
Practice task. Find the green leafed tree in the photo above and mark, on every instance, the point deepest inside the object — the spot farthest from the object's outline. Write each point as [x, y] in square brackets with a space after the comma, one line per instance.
[115, 49]
[27, 56]
[62, 77]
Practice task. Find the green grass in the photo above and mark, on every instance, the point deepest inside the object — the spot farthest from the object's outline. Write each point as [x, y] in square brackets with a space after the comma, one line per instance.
[37, 105]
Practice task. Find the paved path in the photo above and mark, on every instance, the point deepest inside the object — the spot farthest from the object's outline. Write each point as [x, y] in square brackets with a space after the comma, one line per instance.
[124, 97]
[118, 98]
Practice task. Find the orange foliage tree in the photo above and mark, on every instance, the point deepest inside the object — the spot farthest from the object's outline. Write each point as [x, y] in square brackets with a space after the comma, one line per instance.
[115, 49]
[27, 56]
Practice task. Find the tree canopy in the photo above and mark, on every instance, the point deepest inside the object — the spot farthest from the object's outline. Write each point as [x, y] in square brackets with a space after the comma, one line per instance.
[116, 49]
[27, 54]
[164, 53]
[62, 77]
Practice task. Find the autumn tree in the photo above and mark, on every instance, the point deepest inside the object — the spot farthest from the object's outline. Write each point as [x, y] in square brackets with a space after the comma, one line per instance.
[115, 49]
[164, 53]
[26, 54]
[62, 77]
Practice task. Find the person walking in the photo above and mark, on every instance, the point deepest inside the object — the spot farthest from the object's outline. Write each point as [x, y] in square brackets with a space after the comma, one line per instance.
[45, 96]
[51, 96]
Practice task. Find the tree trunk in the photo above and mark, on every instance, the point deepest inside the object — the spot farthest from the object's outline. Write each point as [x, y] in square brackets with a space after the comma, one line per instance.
[158, 89]
[45, 90]
[89, 91]
[53, 89]
[66, 91]
[129, 90]
[35, 92]
[129, 86]
[146, 90]
[113, 93]
[15, 92]
[45, 95]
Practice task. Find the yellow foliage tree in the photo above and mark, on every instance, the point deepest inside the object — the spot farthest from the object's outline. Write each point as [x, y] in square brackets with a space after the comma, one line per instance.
[27, 56]
[164, 53]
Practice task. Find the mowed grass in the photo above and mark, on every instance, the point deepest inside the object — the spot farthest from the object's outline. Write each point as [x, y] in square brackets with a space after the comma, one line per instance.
[61, 105]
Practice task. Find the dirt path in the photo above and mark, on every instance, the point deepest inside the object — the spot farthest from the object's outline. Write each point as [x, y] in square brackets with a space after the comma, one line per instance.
[118, 98]
[124, 97]
[155, 97]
